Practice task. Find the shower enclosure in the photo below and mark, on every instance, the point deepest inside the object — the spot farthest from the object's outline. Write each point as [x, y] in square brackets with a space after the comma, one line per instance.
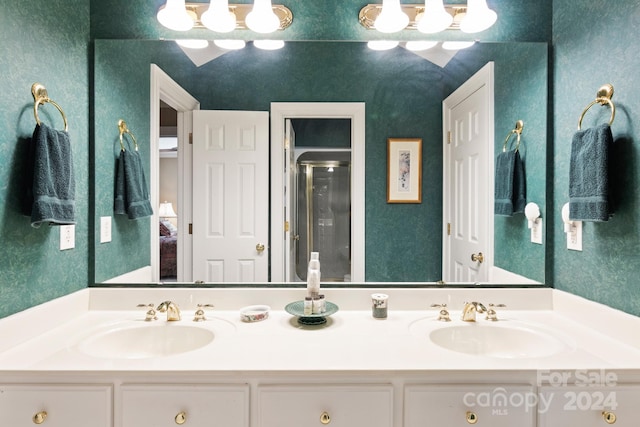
[323, 213]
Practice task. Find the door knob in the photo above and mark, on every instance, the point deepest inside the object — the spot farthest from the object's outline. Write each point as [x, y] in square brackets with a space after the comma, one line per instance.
[479, 257]
[260, 248]
[40, 417]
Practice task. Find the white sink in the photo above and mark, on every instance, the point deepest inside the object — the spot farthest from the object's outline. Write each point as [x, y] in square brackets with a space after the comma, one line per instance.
[142, 341]
[502, 339]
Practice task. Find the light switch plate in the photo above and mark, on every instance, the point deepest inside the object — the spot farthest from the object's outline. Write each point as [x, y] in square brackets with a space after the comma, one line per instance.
[67, 237]
[105, 229]
[536, 231]
[574, 236]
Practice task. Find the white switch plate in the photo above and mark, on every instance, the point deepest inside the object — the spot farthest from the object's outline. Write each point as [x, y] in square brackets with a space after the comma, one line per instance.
[536, 231]
[67, 237]
[105, 229]
[574, 236]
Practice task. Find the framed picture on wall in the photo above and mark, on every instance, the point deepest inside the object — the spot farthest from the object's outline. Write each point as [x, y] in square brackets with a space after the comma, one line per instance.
[404, 170]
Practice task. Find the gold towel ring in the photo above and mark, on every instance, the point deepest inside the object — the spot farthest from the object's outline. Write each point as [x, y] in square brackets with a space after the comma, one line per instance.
[40, 97]
[603, 97]
[122, 127]
[518, 132]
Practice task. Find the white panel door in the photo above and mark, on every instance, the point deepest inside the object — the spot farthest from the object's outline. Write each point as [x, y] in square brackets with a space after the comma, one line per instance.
[230, 196]
[468, 190]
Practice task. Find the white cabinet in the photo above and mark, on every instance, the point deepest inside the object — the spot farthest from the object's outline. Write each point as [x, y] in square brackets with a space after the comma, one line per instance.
[55, 405]
[446, 405]
[587, 406]
[324, 404]
[188, 405]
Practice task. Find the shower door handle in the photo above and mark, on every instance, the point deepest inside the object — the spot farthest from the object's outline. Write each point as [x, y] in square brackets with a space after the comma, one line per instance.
[260, 248]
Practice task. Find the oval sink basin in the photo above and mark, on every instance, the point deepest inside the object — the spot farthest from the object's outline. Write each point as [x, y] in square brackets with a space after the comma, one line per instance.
[146, 341]
[507, 342]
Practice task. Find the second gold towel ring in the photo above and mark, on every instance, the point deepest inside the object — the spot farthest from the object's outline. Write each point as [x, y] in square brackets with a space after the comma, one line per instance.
[518, 132]
[122, 127]
[603, 97]
[40, 97]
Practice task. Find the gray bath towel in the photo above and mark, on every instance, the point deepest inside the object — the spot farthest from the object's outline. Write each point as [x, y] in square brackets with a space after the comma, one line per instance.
[53, 189]
[589, 174]
[510, 186]
[132, 193]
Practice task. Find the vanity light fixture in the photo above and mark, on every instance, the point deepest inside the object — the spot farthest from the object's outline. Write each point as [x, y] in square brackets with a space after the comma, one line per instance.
[382, 44]
[230, 44]
[430, 17]
[391, 18]
[221, 17]
[269, 44]
[417, 46]
[449, 45]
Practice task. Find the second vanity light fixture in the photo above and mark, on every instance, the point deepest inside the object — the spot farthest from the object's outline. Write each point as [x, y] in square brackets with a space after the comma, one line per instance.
[431, 17]
[221, 17]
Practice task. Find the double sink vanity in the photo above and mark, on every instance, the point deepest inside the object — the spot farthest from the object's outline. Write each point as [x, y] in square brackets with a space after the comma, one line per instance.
[120, 357]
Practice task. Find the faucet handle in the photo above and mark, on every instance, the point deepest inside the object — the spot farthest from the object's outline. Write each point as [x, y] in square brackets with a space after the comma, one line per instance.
[491, 312]
[199, 316]
[444, 313]
[151, 312]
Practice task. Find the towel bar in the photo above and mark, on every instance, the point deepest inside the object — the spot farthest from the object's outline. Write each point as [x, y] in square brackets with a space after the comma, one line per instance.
[122, 127]
[603, 97]
[41, 96]
[518, 131]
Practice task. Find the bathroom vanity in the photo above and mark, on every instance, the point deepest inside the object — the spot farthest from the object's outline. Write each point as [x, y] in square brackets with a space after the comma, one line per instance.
[90, 358]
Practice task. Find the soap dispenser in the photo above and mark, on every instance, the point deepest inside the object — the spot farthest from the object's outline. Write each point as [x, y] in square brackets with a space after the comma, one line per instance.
[313, 276]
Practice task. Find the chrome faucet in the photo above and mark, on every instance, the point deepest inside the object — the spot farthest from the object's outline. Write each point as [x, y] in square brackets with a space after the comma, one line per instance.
[172, 310]
[470, 309]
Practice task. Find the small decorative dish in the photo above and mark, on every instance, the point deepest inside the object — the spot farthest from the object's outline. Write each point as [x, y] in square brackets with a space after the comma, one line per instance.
[297, 309]
[254, 313]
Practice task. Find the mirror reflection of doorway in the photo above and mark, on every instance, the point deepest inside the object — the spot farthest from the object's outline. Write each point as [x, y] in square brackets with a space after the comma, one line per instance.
[168, 193]
[323, 205]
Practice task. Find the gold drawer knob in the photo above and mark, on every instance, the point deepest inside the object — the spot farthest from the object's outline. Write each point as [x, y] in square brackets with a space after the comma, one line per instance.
[181, 418]
[325, 418]
[40, 417]
[609, 417]
[472, 418]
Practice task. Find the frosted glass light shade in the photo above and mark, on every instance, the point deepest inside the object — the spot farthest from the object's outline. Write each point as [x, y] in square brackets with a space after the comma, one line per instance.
[419, 45]
[230, 44]
[269, 44]
[478, 18]
[391, 19]
[382, 44]
[174, 16]
[218, 18]
[261, 19]
[435, 18]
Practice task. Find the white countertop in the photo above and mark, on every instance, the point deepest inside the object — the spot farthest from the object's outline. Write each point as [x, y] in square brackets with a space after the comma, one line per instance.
[45, 338]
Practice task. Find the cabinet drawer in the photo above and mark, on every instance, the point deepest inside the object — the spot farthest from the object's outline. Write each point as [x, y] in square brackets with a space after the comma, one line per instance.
[320, 405]
[55, 406]
[587, 406]
[494, 405]
[188, 405]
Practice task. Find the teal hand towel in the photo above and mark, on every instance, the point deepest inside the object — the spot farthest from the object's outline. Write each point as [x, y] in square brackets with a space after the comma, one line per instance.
[132, 193]
[510, 188]
[589, 174]
[53, 187]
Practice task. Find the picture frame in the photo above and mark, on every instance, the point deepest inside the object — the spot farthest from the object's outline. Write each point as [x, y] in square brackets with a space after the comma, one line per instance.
[404, 170]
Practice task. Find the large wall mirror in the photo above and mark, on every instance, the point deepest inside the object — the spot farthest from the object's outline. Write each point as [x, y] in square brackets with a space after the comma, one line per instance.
[403, 93]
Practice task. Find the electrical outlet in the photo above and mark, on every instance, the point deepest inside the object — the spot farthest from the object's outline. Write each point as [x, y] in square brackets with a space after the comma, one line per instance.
[536, 231]
[67, 237]
[574, 236]
[105, 229]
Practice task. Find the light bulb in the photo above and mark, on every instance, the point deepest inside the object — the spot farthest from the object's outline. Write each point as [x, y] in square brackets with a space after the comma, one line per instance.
[435, 18]
[218, 18]
[261, 19]
[174, 16]
[478, 18]
[391, 19]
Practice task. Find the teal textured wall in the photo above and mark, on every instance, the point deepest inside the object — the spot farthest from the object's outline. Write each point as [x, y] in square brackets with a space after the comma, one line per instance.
[41, 42]
[599, 48]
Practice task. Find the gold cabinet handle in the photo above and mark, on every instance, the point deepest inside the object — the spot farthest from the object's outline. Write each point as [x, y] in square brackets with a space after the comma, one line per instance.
[472, 418]
[479, 257]
[325, 418]
[609, 417]
[40, 417]
[181, 418]
[260, 248]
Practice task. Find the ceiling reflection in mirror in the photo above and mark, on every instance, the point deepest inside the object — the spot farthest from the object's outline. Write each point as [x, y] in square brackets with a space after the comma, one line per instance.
[403, 93]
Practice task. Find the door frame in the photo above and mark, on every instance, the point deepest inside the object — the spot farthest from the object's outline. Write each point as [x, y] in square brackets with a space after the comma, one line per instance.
[484, 77]
[318, 110]
[164, 88]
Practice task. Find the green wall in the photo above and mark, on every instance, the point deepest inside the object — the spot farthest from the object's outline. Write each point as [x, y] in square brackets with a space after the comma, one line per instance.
[42, 41]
